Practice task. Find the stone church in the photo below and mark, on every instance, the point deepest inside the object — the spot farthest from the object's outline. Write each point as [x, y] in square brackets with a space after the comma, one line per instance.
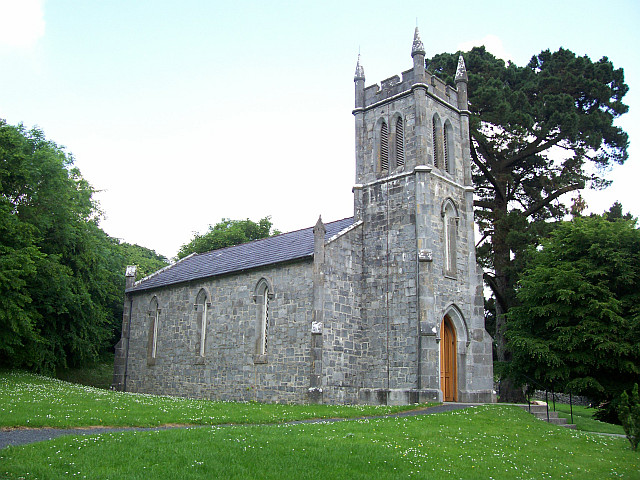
[384, 307]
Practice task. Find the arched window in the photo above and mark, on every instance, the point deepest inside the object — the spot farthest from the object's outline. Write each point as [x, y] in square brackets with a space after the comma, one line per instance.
[437, 142]
[399, 142]
[263, 294]
[152, 344]
[450, 234]
[384, 146]
[448, 147]
[201, 306]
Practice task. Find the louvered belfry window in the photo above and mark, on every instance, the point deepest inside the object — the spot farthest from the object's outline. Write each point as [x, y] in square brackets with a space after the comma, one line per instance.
[384, 147]
[399, 142]
[448, 142]
[436, 153]
[445, 148]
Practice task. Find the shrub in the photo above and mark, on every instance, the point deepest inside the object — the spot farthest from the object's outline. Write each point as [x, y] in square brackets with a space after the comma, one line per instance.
[629, 413]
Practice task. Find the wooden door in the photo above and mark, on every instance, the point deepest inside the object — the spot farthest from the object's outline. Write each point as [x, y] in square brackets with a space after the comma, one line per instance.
[448, 361]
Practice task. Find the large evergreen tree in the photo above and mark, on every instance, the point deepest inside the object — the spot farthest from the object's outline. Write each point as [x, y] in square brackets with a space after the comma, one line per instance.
[538, 133]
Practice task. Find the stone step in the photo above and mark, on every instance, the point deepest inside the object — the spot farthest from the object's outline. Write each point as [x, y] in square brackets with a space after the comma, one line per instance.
[540, 412]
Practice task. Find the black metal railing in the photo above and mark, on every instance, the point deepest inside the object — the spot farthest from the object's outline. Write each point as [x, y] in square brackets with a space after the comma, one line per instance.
[540, 387]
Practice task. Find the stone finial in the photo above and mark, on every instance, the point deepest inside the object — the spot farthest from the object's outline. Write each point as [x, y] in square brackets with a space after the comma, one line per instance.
[461, 72]
[319, 227]
[359, 71]
[418, 47]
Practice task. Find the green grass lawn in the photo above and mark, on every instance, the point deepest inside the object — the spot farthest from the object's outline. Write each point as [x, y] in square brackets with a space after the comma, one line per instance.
[485, 442]
[583, 419]
[30, 400]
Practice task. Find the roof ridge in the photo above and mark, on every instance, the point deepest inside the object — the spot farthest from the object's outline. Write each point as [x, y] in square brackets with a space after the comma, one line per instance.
[287, 246]
[267, 238]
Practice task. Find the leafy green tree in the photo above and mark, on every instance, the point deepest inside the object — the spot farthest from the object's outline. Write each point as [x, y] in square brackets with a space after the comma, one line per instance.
[577, 325]
[538, 133]
[18, 258]
[147, 260]
[227, 233]
[59, 277]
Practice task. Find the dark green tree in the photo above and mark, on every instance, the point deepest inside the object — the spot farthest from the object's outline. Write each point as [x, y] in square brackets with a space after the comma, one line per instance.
[227, 233]
[629, 414]
[538, 133]
[577, 325]
[615, 213]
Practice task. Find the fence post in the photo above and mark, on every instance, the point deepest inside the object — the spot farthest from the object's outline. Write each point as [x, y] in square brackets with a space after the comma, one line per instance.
[571, 405]
[546, 399]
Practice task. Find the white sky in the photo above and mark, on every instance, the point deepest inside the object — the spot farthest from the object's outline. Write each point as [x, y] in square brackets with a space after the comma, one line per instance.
[182, 113]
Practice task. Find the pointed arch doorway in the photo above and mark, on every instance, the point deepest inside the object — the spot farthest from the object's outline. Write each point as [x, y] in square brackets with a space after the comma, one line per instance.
[448, 355]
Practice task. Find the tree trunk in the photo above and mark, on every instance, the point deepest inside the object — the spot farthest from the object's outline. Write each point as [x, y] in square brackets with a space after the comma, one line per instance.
[504, 296]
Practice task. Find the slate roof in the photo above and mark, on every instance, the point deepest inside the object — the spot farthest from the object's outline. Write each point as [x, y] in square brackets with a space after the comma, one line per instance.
[267, 251]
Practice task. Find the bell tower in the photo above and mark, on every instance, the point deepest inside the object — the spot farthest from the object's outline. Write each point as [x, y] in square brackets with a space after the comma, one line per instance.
[414, 198]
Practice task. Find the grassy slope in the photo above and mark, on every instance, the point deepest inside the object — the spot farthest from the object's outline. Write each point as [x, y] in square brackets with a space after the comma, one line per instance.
[500, 442]
[36, 401]
[583, 419]
[99, 374]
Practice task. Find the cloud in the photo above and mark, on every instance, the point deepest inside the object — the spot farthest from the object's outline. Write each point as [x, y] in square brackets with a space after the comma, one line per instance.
[21, 22]
[492, 43]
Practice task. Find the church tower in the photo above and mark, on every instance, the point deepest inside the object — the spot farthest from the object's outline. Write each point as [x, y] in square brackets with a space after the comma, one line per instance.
[422, 303]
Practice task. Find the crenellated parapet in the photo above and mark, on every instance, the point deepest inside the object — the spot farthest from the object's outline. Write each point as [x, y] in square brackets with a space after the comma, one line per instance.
[404, 84]
[409, 80]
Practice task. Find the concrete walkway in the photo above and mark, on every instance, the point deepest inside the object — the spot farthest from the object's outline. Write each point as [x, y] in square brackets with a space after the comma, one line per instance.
[23, 436]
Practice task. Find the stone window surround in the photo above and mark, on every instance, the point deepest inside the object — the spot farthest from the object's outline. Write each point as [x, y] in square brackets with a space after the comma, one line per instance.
[201, 306]
[263, 292]
[152, 342]
[450, 238]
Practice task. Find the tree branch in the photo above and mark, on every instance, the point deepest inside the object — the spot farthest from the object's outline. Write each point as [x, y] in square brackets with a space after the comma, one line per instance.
[491, 281]
[485, 171]
[484, 237]
[550, 198]
[483, 204]
[532, 149]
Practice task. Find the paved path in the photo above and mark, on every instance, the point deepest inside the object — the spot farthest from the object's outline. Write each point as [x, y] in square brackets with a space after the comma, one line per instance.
[22, 436]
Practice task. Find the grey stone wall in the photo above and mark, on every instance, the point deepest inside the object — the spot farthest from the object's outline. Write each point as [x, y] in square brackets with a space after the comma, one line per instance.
[344, 347]
[388, 286]
[228, 370]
